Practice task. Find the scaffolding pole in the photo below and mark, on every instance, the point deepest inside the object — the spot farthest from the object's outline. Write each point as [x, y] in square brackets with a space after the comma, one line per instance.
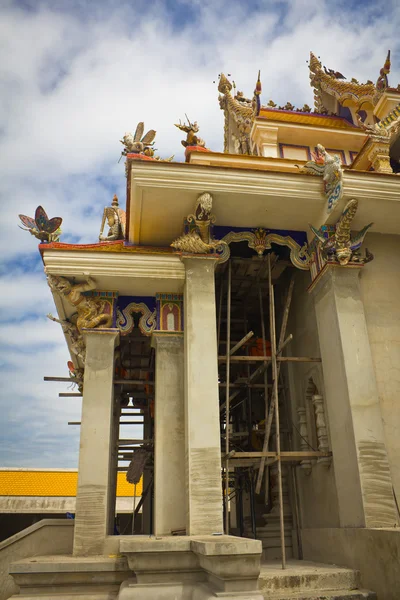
[268, 423]
[228, 365]
[277, 433]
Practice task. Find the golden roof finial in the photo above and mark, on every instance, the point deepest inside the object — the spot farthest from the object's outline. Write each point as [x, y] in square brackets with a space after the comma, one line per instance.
[224, 86]
[382, 82]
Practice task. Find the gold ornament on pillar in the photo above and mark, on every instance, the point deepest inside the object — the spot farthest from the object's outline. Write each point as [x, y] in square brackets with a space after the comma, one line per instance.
[91, 312]
[198, 238]
[341, 247]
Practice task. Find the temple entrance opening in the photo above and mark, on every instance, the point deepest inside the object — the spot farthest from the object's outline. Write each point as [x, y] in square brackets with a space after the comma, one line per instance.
[134, 402]
[263, 495]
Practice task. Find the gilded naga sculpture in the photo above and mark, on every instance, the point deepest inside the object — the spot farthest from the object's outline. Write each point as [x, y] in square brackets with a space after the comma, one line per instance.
[91, 313]
[341, 247]
[43, 228]
[191, 129]
[198, 240]
[116, 220]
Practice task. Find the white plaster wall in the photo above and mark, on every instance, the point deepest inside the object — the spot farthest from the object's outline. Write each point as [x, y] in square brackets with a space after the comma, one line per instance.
[317, 491]
[375, 553]
[380, 289]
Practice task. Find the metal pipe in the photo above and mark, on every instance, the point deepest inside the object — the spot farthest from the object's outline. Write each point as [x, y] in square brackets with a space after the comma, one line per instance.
[228, 366]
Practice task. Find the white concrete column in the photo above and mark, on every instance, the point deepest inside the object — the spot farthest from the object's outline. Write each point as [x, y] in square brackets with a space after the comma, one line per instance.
[169, 426]
[202, 430]
[363, 480]
[93, 514]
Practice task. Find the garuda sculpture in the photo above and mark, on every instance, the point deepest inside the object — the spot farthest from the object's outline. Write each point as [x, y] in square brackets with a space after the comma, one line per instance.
[116, 219]
[91, 313]
[43, 228]
[191, 129]
[136, 144]
[341, 247]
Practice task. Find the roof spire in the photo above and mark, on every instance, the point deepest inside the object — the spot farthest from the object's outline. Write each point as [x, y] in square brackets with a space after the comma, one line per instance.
[256, 98]
[382, 82]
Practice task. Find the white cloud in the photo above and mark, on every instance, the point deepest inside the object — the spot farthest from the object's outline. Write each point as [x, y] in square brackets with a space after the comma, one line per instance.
[74, 77]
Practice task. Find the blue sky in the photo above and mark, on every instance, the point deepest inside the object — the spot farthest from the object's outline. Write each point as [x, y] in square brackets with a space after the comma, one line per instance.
[74, 77]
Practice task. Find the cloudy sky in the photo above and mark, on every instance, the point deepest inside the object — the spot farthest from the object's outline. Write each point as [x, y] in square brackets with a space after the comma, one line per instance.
[74, 77]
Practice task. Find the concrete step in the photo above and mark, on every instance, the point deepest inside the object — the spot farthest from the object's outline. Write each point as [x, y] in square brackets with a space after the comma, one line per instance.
[306, 576]
[304, 580]
[325, 595]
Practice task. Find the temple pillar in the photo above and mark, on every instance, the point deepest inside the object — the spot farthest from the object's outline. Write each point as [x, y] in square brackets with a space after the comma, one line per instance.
[169, 424]
[363, 480]
[94, 515]
[204, 512]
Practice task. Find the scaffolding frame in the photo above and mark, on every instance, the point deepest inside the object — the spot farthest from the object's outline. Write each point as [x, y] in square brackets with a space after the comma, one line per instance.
[236, 459]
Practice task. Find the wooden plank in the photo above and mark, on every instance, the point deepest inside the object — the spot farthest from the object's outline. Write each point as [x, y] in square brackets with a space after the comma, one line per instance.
[70, 395]
[242, 341]
[134, 381]
[63, 379]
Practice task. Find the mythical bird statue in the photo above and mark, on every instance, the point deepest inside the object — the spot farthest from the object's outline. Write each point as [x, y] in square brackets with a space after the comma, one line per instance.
[136, 144]
[43, 228]
[341, 247]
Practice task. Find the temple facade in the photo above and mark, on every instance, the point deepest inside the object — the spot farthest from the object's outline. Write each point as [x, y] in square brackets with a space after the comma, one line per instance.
[244, 306]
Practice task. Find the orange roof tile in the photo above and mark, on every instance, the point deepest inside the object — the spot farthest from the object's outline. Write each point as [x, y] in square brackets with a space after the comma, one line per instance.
[53, 483]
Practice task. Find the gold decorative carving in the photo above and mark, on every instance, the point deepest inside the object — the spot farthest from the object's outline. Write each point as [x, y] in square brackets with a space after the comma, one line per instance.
[91, 312]
[192, 242]
[259, 240]
[198, 240]
[139, 143]
[191, 129]
[380, 159]
[116, 220]
[341, 247]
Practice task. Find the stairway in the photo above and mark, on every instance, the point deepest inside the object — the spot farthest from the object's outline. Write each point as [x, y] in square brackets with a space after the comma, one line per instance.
[304, 580]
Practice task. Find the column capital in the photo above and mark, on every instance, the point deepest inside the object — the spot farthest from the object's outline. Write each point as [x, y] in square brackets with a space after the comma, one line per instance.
[106, 332]
[166, 339]
[200, 259]
[333, 272]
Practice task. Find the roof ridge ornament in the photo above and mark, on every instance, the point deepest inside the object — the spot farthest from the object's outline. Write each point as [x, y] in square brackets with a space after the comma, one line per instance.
[382, 82]
[44, 229]
[139, 143]
[191, 129]
[116, 219]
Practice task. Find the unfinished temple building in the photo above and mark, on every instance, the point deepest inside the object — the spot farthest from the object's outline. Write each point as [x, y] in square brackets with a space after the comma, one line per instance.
[244, 306]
